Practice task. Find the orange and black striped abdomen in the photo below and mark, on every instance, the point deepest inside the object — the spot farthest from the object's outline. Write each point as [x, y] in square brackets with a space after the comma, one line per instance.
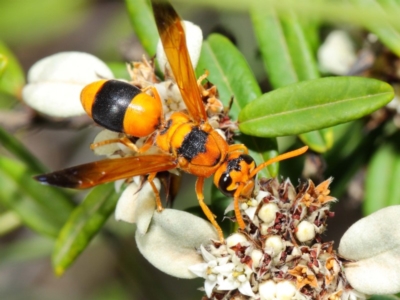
[121, 107]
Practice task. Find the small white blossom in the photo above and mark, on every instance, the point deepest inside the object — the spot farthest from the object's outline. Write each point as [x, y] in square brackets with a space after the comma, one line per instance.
[213, 270]
[238, 278]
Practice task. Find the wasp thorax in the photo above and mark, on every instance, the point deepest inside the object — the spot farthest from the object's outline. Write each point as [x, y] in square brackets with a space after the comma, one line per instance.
[235, 171]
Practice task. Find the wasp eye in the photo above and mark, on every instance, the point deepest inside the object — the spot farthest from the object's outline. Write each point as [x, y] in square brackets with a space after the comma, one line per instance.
[224, 182]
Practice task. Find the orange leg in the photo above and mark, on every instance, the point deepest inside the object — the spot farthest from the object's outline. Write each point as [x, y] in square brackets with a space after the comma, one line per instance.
[206, 210]
[238, 147]
[236, 207]
[123, 140]
[279, 158]
[150, 179]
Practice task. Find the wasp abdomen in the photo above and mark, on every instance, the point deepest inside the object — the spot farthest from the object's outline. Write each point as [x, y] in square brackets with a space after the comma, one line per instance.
[121, 107]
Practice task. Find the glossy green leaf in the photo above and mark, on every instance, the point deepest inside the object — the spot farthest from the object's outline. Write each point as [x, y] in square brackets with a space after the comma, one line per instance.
[42, 208]
[288, 56]
[318, 140]
[142, 20]
[12, 77]
[389, 35]
[285, 50]
[314, 104]
[382, 182]
[83, 224]
[229, 71]
[13, 145]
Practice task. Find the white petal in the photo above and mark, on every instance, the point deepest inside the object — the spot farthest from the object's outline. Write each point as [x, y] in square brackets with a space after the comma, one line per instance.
[206, 255]
[245, 289]
[194, 39]
[251, 211]
[229, 208]
[374, 243]
[171, 241]
[209, 286]
[227, 285]
[124, 210]
[199, 269]
[225, 269]
[55, 82]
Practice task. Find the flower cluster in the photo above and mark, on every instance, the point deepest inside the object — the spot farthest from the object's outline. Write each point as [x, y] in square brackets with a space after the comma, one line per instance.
[280, 253]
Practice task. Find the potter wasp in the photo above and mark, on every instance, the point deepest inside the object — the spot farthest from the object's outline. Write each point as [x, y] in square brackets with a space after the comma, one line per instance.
[185, 140]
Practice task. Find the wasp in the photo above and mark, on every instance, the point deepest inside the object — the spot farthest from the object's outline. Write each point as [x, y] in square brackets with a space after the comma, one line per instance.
[185, 141]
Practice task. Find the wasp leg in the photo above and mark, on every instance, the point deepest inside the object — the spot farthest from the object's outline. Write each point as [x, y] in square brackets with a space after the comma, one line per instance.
[238, 147]
[150, 179]
[210, 216]
[281, 157]
[123, 140]
[236, 207]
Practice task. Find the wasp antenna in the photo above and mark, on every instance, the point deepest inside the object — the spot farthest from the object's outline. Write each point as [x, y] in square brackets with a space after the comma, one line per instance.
[281, 157]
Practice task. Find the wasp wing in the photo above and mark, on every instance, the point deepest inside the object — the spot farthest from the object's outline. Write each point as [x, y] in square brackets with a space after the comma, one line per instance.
[172, 37]
[91, 174]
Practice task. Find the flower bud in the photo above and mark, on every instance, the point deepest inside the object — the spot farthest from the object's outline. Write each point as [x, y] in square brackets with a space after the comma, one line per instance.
[305, 231]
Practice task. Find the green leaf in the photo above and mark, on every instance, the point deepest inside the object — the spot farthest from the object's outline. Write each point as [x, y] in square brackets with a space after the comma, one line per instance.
[386, 32]
[288, 57]
[12, 77]
[42, 208]
[231, 74]
[83, 224]
[13, 145]
[285, 50]
[319, 140]
[312, 105]
[382, 180]
[142, 20]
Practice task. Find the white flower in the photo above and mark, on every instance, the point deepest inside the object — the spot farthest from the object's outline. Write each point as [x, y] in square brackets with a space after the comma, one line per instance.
[238, 278]
[212, 270]
[55, 82]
